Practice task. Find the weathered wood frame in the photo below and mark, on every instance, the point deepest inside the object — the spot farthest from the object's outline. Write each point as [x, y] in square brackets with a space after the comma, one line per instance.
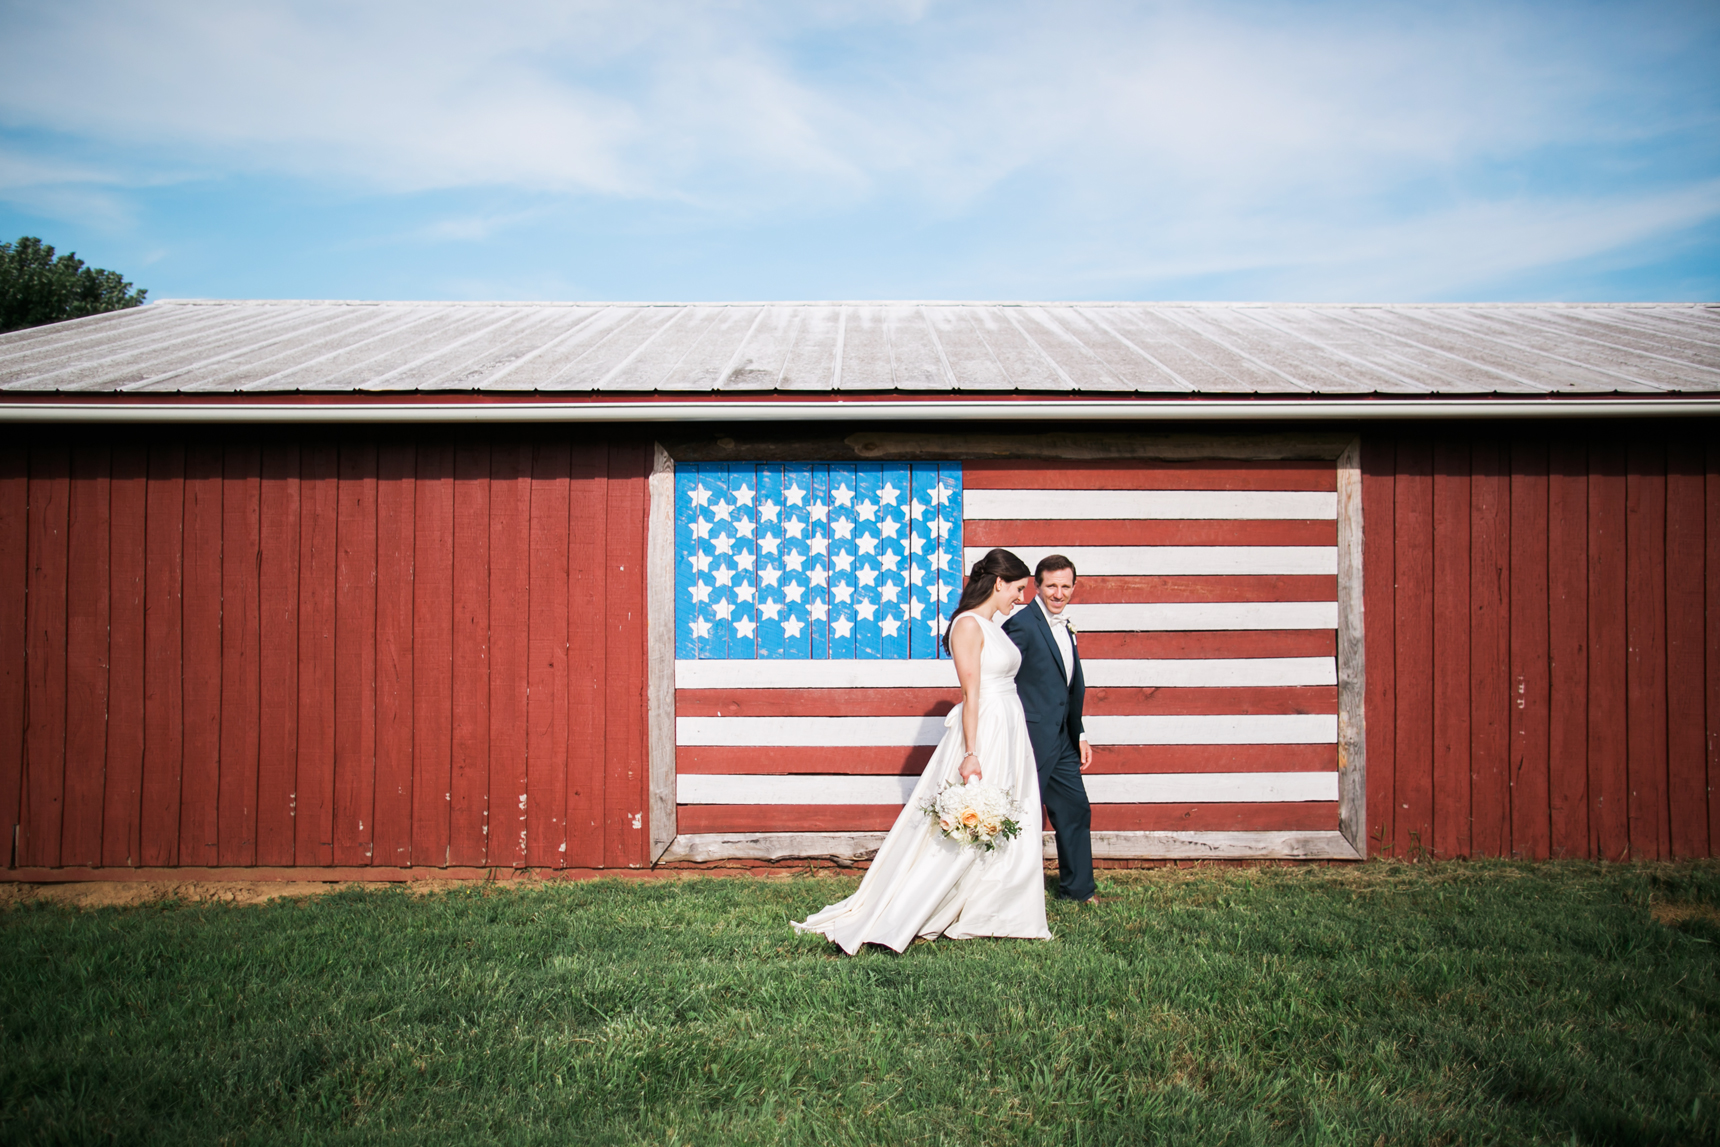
[844, 848]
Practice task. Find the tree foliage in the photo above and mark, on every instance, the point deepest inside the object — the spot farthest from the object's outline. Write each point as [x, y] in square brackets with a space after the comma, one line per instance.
[36, 288]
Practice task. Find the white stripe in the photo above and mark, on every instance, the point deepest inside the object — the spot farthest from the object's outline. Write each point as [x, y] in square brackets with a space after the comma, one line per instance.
[1212, 672]
[1044, 505]
[1192, 673]
[1210, 788]
[1182, 615]
[1126, 561]
[1219, 729]
[812, 732]
[1136, 788]
[922, 673]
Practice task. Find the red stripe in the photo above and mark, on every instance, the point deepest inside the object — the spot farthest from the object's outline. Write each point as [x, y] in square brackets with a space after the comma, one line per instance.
[1224, 587]
[1294, 816]
[1264, 699]
[786, 817]
[1149, 532]
[1214, 759]
[1277, 475]
[1214, 643]
[783, 760]
[937, 702]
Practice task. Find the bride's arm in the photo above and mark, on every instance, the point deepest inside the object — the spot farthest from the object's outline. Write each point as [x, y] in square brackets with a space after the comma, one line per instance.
[966, 643]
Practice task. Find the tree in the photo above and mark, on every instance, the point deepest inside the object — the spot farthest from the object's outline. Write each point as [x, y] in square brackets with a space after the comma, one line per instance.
[36, 288]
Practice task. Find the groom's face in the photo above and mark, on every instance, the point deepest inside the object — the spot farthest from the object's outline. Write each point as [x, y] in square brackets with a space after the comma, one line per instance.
[1056, 589]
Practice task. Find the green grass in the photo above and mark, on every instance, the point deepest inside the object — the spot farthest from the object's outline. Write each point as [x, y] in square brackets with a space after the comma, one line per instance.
[1459, 1003]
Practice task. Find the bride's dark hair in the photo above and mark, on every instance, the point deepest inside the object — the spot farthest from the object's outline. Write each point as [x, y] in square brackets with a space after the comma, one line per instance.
[997, 565]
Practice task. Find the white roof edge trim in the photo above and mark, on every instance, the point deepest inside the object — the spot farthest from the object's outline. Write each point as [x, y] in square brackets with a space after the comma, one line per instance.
[1148, 410]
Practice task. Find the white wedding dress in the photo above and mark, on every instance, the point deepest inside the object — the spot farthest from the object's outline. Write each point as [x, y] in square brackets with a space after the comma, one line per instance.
[921, 883]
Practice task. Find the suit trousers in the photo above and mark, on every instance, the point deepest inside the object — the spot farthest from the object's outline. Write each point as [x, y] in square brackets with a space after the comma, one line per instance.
[1065, 801]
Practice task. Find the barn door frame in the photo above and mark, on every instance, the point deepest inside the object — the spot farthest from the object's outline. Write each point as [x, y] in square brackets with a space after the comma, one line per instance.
[844, 848]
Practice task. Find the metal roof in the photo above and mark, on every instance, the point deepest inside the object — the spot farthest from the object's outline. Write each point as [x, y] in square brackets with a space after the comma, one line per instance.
[197, 347]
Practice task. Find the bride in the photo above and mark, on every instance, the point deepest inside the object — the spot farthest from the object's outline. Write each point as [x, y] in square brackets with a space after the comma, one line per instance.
[921, 883]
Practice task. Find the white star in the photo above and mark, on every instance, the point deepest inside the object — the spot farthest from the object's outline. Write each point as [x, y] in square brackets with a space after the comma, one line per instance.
[943, 493]
[793, 527]
[842, 495]
[889, 591]
[700, 560]
[941, 528]
[770, 543]
[701, 628]
[890, 625]
[941, 560]
[842, 592]
[701, 591]
[745, 628]
[820, 610]
[769, 575]
[842, 561]
[866, 511]
[890, 527]
[819, 511]
[868, 545]
[915, 509]
[866, 574]
[793, 560]
[936, 625]
[723, 609]
[700, 495]
[743, 495]
[793, 494]
[770, 609]
[916, 607]
[744, 559]
[887, 493]
[889, 560]
[818, 575]
[917, 543]
[723, 544]
[701, 528]
[722, 510]
[792, 627]
[767, 511]
[745, 527]
[917, 574]
[724, 575]
[793, 592]
[818, 545]
[842, 527]
[841, 627]
[745, 591]
[865, 609]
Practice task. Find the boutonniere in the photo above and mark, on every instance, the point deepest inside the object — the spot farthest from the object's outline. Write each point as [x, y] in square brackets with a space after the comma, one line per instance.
[1070, 626]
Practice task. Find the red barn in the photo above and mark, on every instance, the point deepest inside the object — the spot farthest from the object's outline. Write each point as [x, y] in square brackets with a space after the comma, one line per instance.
[347, 590]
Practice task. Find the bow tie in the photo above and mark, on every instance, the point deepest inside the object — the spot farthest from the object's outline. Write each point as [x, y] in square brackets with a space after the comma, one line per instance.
[1058, 622]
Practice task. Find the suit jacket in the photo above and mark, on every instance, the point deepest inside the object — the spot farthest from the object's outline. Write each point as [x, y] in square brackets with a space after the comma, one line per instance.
[1051, 701]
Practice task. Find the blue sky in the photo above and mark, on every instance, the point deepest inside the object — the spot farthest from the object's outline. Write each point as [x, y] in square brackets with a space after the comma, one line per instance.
[907, 150]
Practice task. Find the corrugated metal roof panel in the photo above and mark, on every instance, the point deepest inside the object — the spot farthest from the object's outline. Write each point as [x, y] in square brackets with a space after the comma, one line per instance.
[212, 347]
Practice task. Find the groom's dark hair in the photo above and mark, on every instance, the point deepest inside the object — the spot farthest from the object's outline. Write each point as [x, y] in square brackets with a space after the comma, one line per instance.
[1051, 563]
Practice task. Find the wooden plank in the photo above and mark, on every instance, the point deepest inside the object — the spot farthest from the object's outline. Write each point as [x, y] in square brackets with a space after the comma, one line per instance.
[1609, 800]
[14, 626]
[43, 803]
[1296, 816]
[1528, 763]
[123, 792]
[468, 820]
[1034, 503]
[87, 623]
[660, 605]
[278, 526]
[1687, 771]
[394, 662]
[241, 665]
[1246, 587]
[1451, 665]
[1136, 532]
[354, 817]
[1645, 634]
[1211, 643]
[937, 702]
[510, 564]
[200, 782]
[319, 510]
[848, 847]
[627, 760]
[1489, 650]
[786, 817]
[163, 712]
[1379, 476]
[1567, 646]
[547, 676]
[432, 653]
[1711, 573]
[1128, 475]
[588, 580]
[900, 760]
[1412, 789]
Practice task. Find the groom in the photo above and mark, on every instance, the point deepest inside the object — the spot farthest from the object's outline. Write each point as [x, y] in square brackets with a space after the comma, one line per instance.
[1052, 689]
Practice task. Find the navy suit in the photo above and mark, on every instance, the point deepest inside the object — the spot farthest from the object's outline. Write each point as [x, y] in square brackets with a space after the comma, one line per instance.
[1053, 706]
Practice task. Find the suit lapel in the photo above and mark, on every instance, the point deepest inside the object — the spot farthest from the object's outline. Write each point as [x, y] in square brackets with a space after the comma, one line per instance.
[1044, 628]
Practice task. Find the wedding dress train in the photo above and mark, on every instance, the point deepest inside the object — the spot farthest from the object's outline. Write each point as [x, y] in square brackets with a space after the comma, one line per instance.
[921, 883]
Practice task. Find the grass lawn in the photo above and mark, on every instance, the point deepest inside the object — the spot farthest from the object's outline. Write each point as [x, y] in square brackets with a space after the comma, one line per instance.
[1455, 1003]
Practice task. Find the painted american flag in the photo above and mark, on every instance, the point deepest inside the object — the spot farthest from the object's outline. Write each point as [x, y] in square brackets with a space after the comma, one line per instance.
[811, 684]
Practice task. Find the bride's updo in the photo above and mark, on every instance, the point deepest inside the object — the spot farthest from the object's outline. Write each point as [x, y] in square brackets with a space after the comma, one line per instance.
[997, 565]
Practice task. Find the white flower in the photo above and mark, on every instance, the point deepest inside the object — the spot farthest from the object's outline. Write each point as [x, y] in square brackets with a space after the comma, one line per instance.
[979, 814]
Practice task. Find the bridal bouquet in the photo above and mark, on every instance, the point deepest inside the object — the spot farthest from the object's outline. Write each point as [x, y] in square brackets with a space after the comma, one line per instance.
[978, 814]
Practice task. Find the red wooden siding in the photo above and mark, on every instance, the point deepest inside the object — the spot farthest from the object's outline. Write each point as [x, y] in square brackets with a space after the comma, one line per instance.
[1579, 704]
[323, 650]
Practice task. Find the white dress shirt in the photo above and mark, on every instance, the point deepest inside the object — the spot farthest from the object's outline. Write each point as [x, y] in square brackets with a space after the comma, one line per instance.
[1065, 647]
